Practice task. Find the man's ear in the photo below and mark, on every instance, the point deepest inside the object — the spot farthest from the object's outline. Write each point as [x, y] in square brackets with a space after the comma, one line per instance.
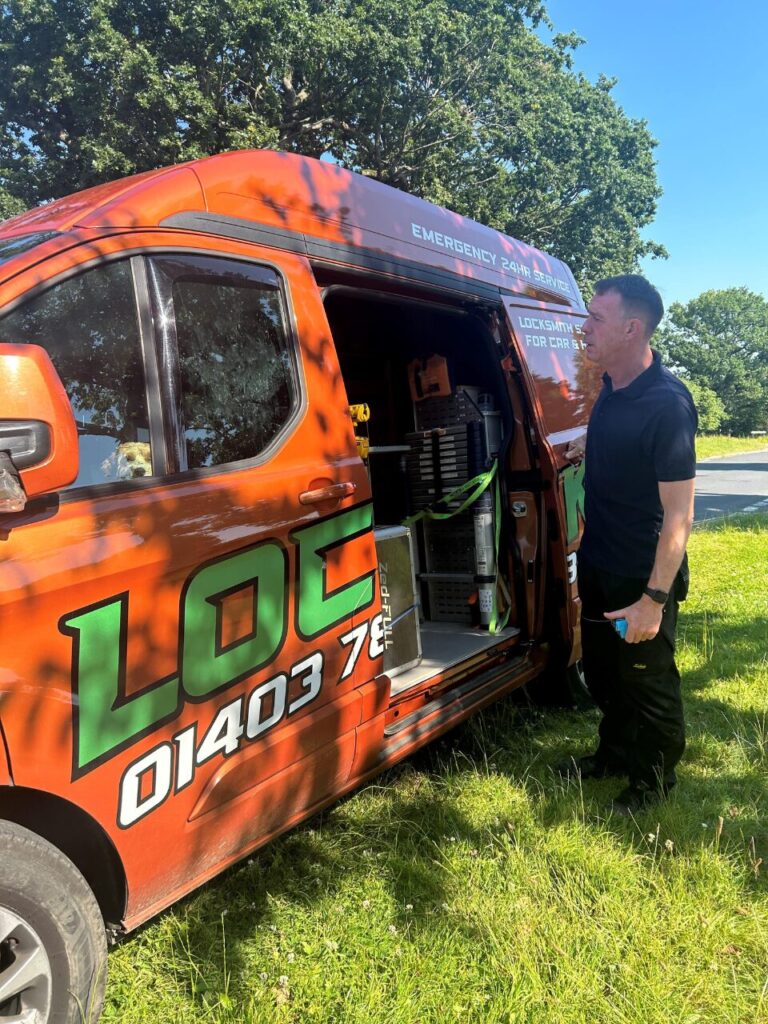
[635, 329]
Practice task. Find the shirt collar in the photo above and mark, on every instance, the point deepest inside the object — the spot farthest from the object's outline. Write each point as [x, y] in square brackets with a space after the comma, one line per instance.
[641, 383]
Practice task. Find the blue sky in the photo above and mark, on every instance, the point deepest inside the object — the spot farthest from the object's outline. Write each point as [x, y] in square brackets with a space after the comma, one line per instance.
[698, 74]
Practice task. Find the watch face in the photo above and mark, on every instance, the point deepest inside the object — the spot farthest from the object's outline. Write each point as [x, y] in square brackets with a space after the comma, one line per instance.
[659, 596]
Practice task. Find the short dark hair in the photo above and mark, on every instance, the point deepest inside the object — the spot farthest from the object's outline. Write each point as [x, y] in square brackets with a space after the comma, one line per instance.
[638, 296]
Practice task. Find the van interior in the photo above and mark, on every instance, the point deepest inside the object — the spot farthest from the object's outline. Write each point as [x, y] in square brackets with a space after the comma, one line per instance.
[431, 412]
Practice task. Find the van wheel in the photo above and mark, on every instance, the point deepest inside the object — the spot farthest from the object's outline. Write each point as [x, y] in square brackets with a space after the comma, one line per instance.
[577, 686]
[53, 949]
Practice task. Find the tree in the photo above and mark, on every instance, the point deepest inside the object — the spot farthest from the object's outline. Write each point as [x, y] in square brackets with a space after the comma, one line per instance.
[720, 342]
[709, 407]
[458, 101]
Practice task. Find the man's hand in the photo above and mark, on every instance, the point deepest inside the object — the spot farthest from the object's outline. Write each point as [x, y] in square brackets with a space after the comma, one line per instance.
[575, 450]
[644, 616]
[643, 619]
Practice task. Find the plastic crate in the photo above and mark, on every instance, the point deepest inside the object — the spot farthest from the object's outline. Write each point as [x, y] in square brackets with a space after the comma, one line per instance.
[440, 461]
[449, 600]
[448, 411]
[450, 544]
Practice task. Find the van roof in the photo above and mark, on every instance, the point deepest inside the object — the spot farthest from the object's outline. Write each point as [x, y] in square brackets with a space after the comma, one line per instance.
[313, 205]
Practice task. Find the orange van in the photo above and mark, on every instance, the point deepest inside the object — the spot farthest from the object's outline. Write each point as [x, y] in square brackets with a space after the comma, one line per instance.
[283, 497]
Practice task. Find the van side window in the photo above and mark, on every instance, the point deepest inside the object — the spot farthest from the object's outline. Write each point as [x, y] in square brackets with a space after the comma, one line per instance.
[88, 325]
[237, 379]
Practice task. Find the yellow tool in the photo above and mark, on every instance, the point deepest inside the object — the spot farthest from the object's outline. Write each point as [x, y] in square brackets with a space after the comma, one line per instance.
[361, 413]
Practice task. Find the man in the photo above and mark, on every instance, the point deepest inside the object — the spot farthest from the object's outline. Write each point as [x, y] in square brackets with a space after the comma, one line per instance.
[640, 465]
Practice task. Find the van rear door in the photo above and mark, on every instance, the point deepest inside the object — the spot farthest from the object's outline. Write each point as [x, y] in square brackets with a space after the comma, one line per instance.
[562, 386]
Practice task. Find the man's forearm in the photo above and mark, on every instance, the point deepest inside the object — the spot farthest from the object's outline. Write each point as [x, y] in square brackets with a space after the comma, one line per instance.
[669, 552]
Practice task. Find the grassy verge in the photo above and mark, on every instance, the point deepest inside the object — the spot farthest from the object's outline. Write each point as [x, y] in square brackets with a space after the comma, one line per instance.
[708, 445]
[472, 885]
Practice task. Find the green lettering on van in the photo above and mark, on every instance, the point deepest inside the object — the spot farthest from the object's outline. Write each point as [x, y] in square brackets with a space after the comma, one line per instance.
[105, 718]
[207, 665]
[318, 610]
[573, 488]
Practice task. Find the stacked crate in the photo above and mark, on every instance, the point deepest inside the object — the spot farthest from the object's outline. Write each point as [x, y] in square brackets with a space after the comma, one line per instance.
[440, 460]
[446, 451]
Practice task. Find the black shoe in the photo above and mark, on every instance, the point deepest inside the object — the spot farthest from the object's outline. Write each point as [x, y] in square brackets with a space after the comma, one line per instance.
[589, 767]
[636, 798]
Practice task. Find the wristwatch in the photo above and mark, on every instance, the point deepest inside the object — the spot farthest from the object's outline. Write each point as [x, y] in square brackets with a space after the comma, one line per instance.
[659, 596]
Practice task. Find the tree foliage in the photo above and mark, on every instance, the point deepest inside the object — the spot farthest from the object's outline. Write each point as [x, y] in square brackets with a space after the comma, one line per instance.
[458, 101]
[720, 342]
[709, 407]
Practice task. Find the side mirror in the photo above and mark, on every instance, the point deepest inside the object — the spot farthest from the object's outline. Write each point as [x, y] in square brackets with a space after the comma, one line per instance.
[38, 434]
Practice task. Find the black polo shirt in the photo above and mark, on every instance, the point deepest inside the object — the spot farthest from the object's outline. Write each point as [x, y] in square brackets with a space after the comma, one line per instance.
[638, 435]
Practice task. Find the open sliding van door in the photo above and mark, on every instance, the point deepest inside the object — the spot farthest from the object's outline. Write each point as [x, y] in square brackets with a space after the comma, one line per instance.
[561, 387]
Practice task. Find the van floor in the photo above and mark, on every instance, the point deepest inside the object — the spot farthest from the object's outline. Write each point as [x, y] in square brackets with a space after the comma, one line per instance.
[445, 644]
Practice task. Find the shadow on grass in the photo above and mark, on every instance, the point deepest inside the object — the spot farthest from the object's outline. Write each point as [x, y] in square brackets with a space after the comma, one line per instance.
[708, 792]
[402, 829]
[408, 837]
[320, 862]
[728, 649]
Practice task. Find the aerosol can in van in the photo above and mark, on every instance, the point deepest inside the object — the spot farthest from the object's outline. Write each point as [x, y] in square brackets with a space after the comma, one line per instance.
[483, 519]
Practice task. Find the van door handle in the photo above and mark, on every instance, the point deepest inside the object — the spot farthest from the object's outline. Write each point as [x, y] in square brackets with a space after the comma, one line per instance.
[334, 492]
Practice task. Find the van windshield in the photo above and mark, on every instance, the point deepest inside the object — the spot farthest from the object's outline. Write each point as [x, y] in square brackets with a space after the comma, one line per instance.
[12, 247]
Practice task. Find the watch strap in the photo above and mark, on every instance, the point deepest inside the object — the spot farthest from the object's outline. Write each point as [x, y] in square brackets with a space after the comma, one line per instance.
[659, 596]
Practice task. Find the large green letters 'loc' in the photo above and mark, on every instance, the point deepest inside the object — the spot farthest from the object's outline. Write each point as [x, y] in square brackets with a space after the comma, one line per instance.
[206, 666]
[317, 609]
[106, 718]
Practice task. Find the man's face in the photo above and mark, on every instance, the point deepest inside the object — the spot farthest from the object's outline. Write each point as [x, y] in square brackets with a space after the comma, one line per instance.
[605, 329]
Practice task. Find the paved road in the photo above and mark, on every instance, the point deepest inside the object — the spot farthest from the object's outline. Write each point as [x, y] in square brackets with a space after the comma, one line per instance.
[734, 483]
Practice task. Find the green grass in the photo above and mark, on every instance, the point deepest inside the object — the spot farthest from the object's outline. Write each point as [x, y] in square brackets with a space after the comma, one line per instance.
[472, 885]
[708, 445]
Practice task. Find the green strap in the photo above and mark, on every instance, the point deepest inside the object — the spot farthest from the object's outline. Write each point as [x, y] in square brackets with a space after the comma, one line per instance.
[476, 486]
[496, 626]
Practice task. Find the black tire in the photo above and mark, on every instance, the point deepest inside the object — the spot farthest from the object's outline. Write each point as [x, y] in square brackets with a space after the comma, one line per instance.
[49, 918]
[577, 687]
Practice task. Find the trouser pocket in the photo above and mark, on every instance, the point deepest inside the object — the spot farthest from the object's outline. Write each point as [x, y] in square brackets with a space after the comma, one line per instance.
[682, 581]
[636, 686]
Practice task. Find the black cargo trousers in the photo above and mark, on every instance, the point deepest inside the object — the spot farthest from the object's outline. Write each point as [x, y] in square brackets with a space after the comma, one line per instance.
[636, 686]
